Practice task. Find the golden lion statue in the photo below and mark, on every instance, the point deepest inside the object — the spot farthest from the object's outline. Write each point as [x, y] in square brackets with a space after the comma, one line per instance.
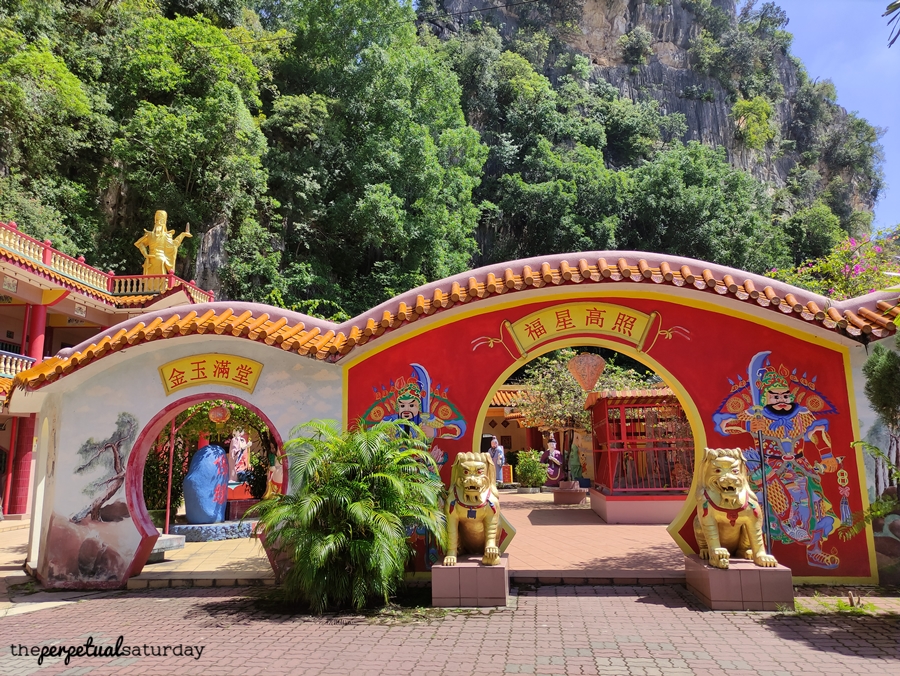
[729, 519]
[473, 509]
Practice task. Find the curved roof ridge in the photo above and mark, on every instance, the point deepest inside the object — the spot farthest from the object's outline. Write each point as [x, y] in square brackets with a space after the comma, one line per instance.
[237, 308]
[861, 318]
[572, 258]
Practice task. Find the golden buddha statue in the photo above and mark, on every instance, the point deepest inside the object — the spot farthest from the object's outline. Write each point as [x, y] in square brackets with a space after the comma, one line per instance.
[159, 247]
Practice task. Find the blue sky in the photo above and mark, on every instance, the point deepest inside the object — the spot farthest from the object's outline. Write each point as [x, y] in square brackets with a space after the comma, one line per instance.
[845, 41]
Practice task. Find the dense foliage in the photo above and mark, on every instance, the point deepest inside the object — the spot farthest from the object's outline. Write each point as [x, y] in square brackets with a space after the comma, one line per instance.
[882, 372]
[853, 268]
[335, 154]
[156, 474]
[530, 471]
[554, 399]
[354, 497]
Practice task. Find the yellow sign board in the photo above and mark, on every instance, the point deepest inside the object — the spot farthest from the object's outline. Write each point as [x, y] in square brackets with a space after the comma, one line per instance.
[574, 319]
[208, 369]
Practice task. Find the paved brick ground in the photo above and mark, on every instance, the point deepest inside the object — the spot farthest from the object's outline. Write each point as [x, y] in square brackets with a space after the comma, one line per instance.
[553, 630]
[571, 540]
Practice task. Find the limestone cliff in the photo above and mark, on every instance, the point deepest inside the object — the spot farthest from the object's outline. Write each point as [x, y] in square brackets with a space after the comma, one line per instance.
[669, 77]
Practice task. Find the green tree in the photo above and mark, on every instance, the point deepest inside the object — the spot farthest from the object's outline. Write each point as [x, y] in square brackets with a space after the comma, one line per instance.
[373, 172]
[635, 45]
[813, 232]
[354, 497]
[553, 399]
[882, 373]
[156, 474]
[182, 94]
[47, 121]
[689, 201]
[752, 121]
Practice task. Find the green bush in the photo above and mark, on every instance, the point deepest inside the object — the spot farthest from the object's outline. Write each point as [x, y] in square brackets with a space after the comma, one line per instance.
[354, 498]
[635, 45]
[156, 474]
[530, 471]
[752, 121]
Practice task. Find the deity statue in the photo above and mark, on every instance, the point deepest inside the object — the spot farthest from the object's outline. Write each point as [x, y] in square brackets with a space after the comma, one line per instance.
[274, 475]
[159, 246]
[498, 456]
[553, 457]
[238, 454]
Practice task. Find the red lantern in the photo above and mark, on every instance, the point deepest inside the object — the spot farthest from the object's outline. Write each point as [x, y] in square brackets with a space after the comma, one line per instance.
[219, 414]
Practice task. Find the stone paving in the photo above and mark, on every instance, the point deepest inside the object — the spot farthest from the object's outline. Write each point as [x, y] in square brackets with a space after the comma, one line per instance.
[549, 630]
[554, 542]
[237, 561]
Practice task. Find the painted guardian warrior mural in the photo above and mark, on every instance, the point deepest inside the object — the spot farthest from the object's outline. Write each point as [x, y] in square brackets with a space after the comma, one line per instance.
[780, 414]
[417, 401]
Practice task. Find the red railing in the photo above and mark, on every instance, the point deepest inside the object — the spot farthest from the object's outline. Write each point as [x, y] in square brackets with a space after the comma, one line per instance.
[655, 467]
[75, 269]
[642, 444]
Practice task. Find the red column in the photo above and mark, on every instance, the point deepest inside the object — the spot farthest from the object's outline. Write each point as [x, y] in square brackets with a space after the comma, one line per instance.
[535, 439]
[21, 476]
[10, 458]
[36, 330]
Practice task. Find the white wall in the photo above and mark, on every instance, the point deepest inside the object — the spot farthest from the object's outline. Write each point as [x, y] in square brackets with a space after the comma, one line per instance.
[870, 428]
[86, 404]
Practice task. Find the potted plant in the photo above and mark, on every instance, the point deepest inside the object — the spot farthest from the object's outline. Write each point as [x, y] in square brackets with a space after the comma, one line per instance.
[338, 538]
[531, 473]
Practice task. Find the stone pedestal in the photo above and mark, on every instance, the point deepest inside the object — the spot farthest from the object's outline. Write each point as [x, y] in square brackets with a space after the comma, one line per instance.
[235, 509]
[213, 532]
[470, 583]
[744, 586]
[165, 543]
[636, 509]
[569, 496]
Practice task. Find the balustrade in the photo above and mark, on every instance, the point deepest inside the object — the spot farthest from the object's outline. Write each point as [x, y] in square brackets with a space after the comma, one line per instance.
[20, 243]
[77, 270]
[12, 364]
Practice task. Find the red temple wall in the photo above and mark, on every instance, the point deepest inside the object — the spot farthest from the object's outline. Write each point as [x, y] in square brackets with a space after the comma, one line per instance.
[698, 349]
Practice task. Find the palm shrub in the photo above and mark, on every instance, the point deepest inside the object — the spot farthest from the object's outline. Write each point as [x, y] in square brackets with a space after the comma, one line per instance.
[344, 523]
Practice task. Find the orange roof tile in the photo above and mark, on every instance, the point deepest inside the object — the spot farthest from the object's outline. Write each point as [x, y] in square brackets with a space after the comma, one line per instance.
[506, 396]
[859, 318]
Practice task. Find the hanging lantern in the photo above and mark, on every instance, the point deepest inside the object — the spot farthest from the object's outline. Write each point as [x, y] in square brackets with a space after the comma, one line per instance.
[586, 368]
[219, 414]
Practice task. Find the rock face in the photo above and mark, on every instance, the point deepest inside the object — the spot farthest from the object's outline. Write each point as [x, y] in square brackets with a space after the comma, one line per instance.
[211, 257]
[668, 76]
[206, 485]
